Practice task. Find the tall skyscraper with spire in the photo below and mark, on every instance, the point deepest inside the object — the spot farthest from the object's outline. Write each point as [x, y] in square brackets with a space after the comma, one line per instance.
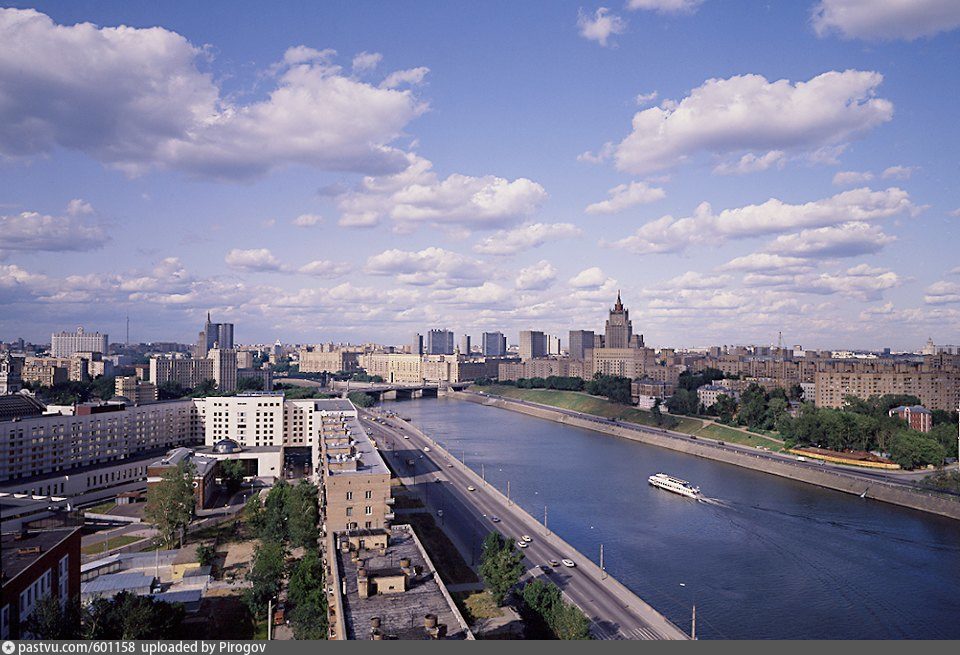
[619, 329]
[214, 334]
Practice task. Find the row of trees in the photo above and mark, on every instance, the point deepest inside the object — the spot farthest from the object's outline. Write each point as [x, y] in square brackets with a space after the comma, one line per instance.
[125, 616]
[544, 608]
[615, 388]
[68, 393]
[288, 518]
[171, 390]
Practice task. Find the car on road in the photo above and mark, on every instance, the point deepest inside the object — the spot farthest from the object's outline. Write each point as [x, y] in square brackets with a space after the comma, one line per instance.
[437, 480]
[569, 563]
[526, 538]
[449, 466]
[426, 449]
[440, 512]
[522, 544]
[471, 488]
[495, 519]
[545, 568]
[405, 437]
[554, 562]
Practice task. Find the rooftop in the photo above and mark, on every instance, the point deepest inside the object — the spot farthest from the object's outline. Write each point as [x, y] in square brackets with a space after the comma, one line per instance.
[334, 405]
[401, 614]
[19, 552]
[113, 583]
[17, 405]
[369, 460]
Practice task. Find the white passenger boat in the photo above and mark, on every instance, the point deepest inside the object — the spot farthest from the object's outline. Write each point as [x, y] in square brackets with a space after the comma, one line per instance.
[676, 485]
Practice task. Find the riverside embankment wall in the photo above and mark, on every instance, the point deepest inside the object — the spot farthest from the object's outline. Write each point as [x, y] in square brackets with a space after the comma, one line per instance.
[709, 449]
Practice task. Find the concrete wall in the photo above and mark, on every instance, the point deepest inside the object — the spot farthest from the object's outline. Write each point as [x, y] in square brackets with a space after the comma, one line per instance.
[830, 479]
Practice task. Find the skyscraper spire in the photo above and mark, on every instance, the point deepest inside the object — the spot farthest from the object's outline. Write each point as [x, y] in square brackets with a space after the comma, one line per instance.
[619, 306]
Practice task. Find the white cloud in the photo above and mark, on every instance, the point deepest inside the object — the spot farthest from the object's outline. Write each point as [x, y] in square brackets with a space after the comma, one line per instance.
[846, 240]
[366, 61]
[431, 266]
[669, 234]
[307, 220]
[646, 98]
[665, 6]
[589, 278]
[253, 260]
[601, 27]
[898, 172]
[409, 77]
[942, 293]
[765, 262]
[883, 20]
[751, 163]
[79, 207]
[136, 99]
[864, 282]
[749, 114]
[695, 280]
[955, 213]
[851, 178]
[417, 196]
[32, 231]
[536, 277]
[324, 268]
[624, 196]
[525, 237]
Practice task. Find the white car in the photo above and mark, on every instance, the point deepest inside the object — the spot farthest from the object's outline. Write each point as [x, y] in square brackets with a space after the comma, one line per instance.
[405, 437]
[522, 544]
[526, 538]
[471, 488]
[426, 449]
[569, 563]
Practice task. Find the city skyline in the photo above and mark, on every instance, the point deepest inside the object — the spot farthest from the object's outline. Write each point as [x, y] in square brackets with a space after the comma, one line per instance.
[792, 174]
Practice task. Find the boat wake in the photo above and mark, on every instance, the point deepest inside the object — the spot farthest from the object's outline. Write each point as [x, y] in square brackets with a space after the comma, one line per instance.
[716, 502]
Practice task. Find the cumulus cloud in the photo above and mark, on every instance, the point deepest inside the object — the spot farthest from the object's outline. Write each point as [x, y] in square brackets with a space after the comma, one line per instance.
[751, 163]
[431, 266]
[417, 196]
[601, 26]
[409, 77]
[307, 220]
[942, 293]
[324, 268]
[79, 207]
[589, 278]
[537, 277]
[863, 282]
[366, 61]
[624, 196]
[846, 240]
[695, 280]
[665, 6]
[32, 231]
[898, 172]
[253, 260]
[749, 114]
[669, 234]
[136, 99]
[851, 178]
[646, 98]
[766, 262]
[525, 237]
[885, 20]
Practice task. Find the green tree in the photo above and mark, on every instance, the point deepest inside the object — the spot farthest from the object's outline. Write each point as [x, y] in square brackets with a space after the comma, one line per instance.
[568, 622]
[500, 566]
[725, 407]
[265, 575]
[253, 513]
[52, 619]
[231, 473]
[249, 384]
[361, 399]
[128, 616]
[276, 513]
[170, 503]
[683, 401]
[304, 515]
[306, 594]
[206, 554]
[912, 449]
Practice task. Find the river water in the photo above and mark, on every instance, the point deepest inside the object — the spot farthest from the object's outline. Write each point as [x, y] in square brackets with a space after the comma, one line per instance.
[764, 557]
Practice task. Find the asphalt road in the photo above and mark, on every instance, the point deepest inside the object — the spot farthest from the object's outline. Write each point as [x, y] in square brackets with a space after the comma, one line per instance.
[615, 612]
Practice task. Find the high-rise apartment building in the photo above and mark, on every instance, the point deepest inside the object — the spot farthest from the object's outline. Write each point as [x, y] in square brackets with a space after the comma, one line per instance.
[65, 344]
[416, 348]
[188, 373]
[553, 345]
[580, 341]
[214, 334]
[439, 342]
[136, 391]
[532, 344]
[494, 344]
[465, 344]
[224, 368]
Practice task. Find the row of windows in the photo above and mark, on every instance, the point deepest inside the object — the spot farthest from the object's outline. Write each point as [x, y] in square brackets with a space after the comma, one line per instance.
[368, 511]
[366, 494]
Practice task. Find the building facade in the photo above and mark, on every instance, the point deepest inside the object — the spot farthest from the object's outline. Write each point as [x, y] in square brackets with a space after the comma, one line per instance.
[313, 360]
[11, 373]
[188, 373]
[533, 344]
[214, 334]
[439, 342]
[137, 391]
[579, 342]
[494, 344]
[64, 344]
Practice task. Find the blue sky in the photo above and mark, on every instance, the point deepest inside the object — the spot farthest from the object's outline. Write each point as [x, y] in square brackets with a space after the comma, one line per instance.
[361, 171]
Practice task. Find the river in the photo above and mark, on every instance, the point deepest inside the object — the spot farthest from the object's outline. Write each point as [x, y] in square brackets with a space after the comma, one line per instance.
[763, 557]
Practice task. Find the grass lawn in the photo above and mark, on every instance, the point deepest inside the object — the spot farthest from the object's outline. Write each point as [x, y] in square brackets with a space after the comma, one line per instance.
[475, 605]
[111, 543]
[445, 556]
[581, 402]
[102, 508]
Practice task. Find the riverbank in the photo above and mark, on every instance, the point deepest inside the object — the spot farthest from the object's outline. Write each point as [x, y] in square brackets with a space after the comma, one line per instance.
[868, 487]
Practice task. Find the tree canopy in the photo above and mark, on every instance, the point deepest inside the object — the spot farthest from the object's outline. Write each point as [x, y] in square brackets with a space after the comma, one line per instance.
[170, 503]
[500, 565]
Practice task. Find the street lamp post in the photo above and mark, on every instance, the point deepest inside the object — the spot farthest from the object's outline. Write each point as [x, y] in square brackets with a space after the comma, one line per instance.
[693, 617]
[547, 529]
